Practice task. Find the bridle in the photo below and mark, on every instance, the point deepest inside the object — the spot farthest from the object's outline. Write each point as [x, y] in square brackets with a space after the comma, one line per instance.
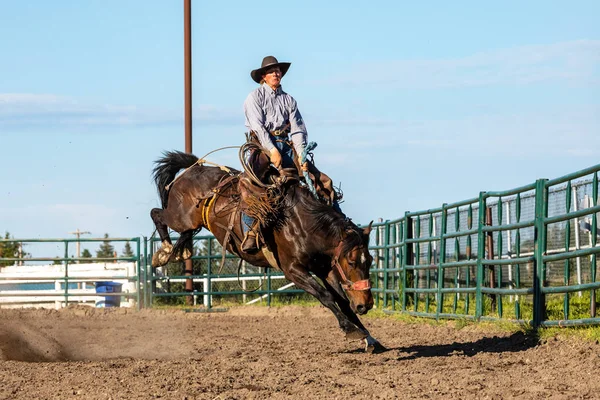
[346, 283]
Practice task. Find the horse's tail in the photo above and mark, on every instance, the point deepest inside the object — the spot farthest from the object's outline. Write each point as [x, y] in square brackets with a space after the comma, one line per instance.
[167, 168]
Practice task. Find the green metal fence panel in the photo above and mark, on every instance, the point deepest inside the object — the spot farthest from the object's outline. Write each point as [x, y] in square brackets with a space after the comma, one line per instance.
[386, 245]
[577, 290]
[535, 255]
[224, 280]
[66, 278]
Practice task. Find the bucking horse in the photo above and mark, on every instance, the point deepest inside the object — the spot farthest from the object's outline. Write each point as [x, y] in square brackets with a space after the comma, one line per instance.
[303, 237]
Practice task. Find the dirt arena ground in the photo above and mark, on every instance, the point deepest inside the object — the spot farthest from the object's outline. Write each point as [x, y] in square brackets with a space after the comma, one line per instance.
[277, 353]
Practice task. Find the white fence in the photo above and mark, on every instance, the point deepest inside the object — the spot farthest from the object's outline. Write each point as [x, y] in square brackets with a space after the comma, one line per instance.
[18, 284]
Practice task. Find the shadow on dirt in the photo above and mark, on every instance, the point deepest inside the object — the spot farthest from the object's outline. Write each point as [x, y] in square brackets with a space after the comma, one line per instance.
[518, 341]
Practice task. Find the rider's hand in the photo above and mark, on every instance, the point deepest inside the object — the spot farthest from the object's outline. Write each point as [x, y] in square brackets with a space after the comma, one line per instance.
[275, 157]
[303, 167]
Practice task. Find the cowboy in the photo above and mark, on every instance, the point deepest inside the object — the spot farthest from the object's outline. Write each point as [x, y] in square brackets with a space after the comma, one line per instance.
[273, 116]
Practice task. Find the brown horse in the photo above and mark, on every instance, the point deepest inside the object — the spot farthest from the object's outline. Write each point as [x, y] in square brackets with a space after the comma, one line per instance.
[308, 239]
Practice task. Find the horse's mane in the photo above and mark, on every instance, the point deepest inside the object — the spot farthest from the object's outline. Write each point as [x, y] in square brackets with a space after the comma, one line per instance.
[327, 220]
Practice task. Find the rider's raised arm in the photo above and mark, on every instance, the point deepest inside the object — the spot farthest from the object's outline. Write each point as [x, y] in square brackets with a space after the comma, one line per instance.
[298, 132]
[255, 120]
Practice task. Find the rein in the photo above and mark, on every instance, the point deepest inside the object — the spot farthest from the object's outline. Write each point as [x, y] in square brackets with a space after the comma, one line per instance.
[347, 284]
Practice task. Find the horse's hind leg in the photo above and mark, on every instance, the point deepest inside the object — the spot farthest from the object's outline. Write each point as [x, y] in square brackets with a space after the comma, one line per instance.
[184, 246]
[162, 255]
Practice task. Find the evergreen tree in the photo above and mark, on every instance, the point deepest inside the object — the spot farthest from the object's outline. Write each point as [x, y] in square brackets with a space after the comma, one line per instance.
[127, 251]
[106, 250]
[10, 250]
[86, 254]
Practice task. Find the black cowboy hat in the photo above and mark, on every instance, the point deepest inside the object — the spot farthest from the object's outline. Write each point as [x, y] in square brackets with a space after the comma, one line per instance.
[269, 62]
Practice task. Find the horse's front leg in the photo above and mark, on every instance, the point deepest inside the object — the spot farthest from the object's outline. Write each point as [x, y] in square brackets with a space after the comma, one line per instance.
[372, 345]
[302, 279]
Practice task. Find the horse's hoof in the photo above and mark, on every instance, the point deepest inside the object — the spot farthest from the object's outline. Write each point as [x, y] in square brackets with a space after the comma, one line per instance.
[160, 258]
[185, 255]
[164, 259]
[156, 261]
[372, 346]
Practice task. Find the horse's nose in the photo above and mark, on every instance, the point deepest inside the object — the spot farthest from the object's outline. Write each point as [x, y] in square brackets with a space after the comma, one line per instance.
[361, 309]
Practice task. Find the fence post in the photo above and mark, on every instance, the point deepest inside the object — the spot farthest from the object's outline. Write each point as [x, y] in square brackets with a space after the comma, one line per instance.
[441, 260]
[386, 262]
[539, 243]
[480, 256]
[394, 261]
[66, 279]
[139, 272]
[208, 286]
[145, 272]
[408, 276]
[269, 287]
[150, 275]
[593, 242]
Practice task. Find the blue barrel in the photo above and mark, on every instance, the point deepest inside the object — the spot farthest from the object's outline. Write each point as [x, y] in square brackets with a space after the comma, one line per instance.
[109, 287]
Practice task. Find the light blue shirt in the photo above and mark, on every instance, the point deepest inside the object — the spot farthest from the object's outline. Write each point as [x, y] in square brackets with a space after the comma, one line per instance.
[268, 110]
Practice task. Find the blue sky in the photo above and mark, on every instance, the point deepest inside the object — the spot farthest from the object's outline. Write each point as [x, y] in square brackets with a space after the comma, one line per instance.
[412, 104]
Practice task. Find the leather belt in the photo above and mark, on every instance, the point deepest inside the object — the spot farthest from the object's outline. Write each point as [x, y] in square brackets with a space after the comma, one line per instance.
[283, 132]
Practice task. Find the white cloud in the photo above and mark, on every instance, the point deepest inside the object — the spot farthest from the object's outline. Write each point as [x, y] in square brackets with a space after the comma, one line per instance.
[18, 110]
[548, 131]
[575, 62]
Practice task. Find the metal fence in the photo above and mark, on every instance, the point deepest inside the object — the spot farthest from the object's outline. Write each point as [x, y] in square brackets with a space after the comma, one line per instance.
[216, 279]
[526, 254]
[32, 282]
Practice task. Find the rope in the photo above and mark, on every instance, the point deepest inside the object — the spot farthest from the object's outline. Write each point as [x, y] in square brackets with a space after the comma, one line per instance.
[202, 161]
[245, 148]
[240, 282]
[310, 147]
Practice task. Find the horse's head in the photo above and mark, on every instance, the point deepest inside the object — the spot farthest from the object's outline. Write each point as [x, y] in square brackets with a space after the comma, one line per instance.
[352, 262]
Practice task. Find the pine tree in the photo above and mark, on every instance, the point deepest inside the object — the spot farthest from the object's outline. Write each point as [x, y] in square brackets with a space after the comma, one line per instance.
[127, 251]
[106, 249]
[10, 250]
[86, 254]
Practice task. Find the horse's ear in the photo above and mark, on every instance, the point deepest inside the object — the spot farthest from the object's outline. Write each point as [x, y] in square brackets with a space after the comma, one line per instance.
[367, 230]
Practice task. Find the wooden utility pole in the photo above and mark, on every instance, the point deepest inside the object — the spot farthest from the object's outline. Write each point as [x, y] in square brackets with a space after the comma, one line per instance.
[78, 233]
[187, 68]
[490, 254]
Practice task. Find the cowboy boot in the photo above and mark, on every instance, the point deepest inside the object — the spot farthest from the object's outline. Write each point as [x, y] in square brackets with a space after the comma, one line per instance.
[249, 244]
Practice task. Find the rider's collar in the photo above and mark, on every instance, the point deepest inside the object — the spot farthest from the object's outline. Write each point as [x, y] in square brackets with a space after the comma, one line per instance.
[270, 90]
